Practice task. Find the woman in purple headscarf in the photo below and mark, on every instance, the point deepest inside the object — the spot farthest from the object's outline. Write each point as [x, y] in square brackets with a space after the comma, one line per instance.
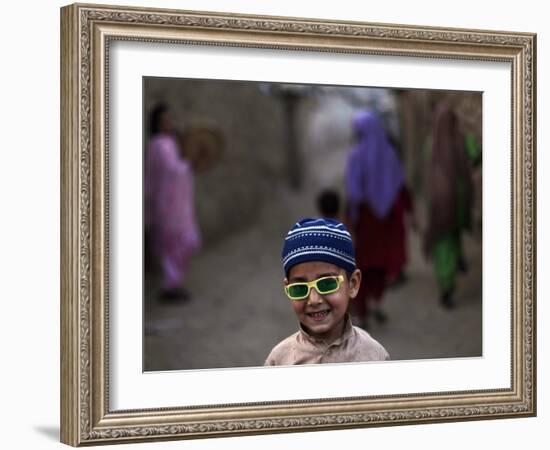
[169, 205]
[377, 201]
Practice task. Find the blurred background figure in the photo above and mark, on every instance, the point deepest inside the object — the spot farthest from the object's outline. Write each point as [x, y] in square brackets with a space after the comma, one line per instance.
[328, 205]
[172, 231]
[377, 200]
[449, 200]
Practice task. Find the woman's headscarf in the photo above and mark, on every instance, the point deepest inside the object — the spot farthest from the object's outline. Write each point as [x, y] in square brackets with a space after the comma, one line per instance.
[374, 173]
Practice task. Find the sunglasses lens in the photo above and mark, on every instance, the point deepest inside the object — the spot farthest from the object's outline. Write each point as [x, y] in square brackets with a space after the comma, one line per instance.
[298, 290]
[327, 285]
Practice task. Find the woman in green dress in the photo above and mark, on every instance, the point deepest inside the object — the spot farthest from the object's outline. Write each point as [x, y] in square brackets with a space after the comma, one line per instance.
[449, 200]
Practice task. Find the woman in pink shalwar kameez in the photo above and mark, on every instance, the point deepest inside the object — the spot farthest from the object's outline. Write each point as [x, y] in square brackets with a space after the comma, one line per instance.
[169, 205]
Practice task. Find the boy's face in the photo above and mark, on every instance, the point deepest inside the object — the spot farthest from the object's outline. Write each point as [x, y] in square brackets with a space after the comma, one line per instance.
[323, 315]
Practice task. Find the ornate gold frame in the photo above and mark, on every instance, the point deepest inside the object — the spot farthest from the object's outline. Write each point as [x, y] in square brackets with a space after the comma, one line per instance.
[86, 31]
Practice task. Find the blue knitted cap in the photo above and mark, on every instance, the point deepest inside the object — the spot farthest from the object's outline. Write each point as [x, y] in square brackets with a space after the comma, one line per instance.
[318, 240]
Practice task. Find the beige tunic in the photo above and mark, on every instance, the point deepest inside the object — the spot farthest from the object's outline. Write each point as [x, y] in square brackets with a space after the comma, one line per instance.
[355, 345]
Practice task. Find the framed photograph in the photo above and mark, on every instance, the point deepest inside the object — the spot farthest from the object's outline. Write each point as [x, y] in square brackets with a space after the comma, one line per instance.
[194, 143]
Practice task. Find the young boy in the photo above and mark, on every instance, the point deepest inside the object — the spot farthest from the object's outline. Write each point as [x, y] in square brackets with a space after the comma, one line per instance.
[320, 280]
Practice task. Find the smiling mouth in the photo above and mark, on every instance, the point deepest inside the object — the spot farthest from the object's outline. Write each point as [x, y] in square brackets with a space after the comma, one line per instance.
[319, 315]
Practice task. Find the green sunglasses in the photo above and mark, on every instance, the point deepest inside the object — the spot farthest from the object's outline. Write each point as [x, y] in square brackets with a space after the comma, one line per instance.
[324, 285]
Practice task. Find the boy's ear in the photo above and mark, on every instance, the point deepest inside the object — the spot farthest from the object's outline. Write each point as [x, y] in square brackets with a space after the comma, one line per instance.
[285, 281]
[354, 283]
